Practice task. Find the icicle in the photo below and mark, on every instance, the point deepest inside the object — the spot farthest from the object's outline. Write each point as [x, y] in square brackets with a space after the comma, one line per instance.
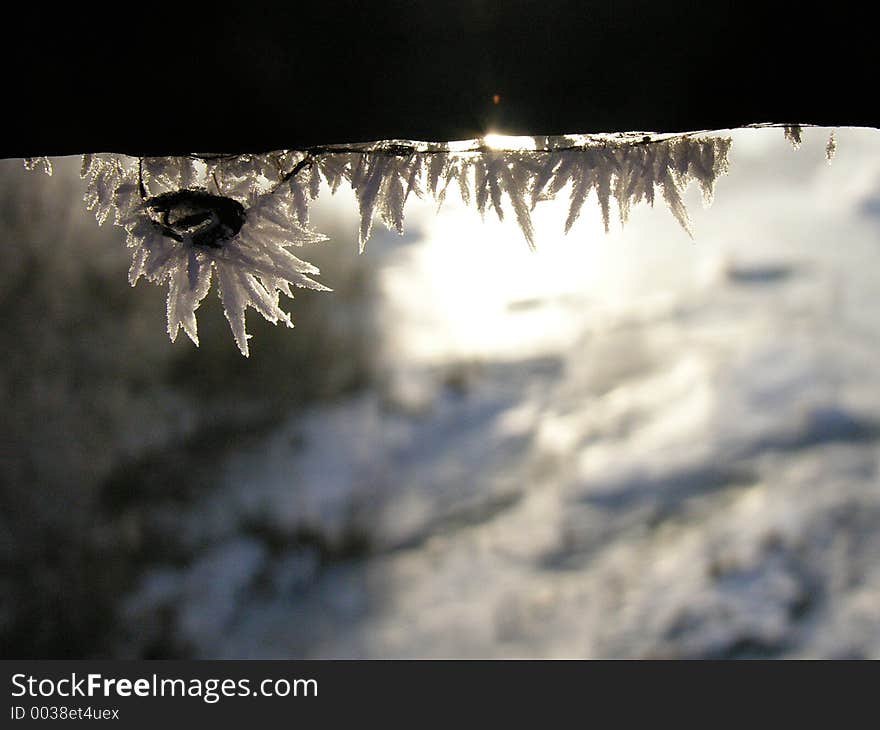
[831, 147]
[793, 135]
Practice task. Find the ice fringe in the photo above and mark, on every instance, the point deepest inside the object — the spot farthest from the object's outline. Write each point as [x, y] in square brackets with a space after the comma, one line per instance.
[32, 163]
[627, 168]
[234, 217]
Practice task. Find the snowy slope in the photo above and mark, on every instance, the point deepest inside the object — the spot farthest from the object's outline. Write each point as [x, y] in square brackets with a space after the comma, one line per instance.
[623, 445]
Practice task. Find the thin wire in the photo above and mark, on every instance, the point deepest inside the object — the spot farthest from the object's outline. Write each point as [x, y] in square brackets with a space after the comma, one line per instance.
[401, 149]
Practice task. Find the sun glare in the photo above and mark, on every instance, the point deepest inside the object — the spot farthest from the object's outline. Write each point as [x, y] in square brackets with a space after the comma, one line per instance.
[476, 290]
[507, 142]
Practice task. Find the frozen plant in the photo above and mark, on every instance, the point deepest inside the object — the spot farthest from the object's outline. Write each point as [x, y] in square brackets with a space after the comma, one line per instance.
[186, 234]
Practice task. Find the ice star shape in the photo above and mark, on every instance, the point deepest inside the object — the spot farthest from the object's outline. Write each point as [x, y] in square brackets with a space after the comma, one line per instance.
[186, 236]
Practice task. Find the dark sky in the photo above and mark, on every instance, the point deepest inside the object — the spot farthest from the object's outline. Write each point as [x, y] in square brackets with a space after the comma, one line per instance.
[256, 77]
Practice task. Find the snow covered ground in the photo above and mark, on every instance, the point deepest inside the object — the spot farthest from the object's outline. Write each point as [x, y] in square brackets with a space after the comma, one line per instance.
[625, 445]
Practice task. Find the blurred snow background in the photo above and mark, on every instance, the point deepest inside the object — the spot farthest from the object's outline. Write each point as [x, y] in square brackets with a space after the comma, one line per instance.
[624, 445]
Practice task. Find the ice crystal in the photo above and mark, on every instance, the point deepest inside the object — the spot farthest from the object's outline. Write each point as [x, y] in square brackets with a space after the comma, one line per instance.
[33, 163]
[182, 234]
[631, 173]
[831, 147]
[793, 134]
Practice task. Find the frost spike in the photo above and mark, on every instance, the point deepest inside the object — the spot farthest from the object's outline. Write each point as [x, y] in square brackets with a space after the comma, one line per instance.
[233, 306]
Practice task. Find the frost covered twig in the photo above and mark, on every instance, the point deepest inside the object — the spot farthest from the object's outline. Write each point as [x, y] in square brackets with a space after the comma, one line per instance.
[234, 217]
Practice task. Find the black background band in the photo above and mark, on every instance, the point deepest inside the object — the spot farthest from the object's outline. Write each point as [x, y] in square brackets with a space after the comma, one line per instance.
[148, 79]
[464, 693]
